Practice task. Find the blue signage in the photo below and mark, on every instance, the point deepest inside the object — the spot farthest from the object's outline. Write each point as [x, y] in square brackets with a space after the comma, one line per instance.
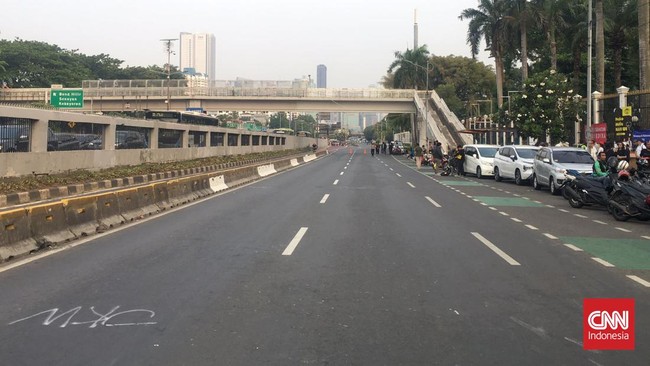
[641, 135]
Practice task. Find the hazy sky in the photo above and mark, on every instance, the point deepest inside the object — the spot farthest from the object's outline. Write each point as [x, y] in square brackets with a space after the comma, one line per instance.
[256, 39]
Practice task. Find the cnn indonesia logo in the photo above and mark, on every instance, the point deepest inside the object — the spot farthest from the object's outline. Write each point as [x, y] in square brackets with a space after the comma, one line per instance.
[608, 324]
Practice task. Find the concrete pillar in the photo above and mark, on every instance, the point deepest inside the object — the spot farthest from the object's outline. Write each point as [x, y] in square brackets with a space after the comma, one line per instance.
[596, 107]
[185, 139]
[153, 138]
[622, 96]
[108, 137]
[413, 128]
[208, 139]
[39, 136]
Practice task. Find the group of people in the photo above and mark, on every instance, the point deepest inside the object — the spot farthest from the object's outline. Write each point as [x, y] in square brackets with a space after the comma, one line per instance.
[621, 149]
[434, 155]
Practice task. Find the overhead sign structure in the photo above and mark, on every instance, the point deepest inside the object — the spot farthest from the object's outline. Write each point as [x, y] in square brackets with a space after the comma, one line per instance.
[67, 98]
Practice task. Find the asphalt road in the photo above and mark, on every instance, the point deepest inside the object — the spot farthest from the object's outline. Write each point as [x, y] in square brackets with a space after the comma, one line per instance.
[348, 260]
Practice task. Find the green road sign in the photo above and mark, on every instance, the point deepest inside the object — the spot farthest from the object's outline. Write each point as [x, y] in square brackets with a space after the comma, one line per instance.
[67, 98]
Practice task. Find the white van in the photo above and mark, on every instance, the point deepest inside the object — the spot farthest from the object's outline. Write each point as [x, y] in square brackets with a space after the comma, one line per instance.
[479, 159]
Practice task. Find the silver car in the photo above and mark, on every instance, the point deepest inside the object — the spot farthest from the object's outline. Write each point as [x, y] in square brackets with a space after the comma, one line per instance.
[551, 164]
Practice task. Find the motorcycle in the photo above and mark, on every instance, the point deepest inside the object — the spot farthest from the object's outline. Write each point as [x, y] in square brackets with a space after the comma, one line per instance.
[585, 190]
[630, 198]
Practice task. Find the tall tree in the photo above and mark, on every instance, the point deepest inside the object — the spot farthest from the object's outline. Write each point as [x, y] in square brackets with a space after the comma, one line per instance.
[408, 69]
[619, 32]
[643, 7]
[488, 22]
[600, 46]
[550, 16]
[520, 15]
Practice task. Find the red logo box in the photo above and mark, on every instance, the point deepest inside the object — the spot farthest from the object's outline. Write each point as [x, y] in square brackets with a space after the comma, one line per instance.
[608, 324]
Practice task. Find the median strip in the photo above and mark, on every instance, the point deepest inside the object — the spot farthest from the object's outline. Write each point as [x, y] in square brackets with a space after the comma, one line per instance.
[295, 241]
[496, 250]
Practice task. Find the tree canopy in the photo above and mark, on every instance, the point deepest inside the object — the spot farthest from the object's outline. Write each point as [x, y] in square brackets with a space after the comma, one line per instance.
[33, 64]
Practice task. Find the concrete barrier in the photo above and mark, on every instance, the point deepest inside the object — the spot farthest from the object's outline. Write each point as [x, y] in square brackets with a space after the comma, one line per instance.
[147, 197]
[108, 211]
[16, 236]
[309, 157]
[161, 196]
[129, 203]
[266, 170]
[81, 215]
[218, 183]
[294, 162]
[48, 224]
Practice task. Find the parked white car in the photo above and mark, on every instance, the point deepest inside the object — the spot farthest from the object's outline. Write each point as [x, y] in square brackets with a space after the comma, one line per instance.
[479, 159]
[551, 164]
[515, 162]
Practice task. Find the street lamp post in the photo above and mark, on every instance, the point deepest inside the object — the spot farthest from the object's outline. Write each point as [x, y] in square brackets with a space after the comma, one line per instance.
[168, 67]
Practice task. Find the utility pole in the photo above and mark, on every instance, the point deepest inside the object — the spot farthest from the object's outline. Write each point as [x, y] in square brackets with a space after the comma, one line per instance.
[168, 66]
[589, 56]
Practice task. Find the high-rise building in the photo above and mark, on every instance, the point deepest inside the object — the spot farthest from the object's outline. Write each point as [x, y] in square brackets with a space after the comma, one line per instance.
[321, 76]
[198, 54]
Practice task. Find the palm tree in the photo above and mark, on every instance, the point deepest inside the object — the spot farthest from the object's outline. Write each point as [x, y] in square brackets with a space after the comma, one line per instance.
[405, 73]
[619, 31]
[600, 46]
[643, 7]
[488, 21]
[550, 16]
[520, 15]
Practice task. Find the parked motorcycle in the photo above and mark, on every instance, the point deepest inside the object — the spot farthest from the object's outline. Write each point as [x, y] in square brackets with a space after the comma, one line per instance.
[630, 198]
[586, 190]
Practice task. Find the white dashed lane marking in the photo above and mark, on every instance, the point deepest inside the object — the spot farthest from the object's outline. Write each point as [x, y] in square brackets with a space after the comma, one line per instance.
[623, 230]
[603, 262]
[432, 201]
[324, 199]
[639, 280]
[410, 184]
[573, 247]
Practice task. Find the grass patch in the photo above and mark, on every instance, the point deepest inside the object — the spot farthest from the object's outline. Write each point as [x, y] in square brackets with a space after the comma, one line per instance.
[28, 183]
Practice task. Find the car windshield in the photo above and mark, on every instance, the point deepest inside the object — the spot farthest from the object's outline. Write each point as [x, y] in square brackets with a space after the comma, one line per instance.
[572, 157]
[487, 152]
[526, 153]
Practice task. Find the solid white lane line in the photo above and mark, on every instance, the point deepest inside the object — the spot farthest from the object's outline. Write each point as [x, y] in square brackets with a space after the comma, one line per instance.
[432, 201]
[563, 210]
[580, 216]
[336, 182]
[495, 249]
[295, 241]
[398, 175]
[573, 247]
[550, 236]
[623, 230]
[639, 280]
[504, 213]
[603, 262]
[325, 197]
[411, 185]
[515, 219]
[599, 222]
[531, 227]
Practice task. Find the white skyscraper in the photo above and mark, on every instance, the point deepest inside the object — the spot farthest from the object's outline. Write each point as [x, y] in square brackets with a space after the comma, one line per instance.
[198, 52]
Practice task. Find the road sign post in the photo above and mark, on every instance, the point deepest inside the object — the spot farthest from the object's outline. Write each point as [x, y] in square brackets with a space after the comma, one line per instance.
[67, 98]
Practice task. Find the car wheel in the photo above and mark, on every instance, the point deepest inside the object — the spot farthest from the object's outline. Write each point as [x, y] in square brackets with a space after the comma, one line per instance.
[497, 177]
[554, 188]
[518, 180]
[479, 173]
[536, 185]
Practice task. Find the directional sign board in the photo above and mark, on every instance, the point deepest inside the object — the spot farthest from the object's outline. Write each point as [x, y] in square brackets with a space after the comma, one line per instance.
[67, 98]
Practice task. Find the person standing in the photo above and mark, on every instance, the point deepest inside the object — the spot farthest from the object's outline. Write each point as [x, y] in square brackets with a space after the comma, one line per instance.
[437, 157]
[418, 156]
[639, 148]
[622, 152]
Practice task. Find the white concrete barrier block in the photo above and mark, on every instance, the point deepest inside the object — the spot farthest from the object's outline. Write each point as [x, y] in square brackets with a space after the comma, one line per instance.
[294, 162]
[309, 157]
[266, 170]
[218, 183]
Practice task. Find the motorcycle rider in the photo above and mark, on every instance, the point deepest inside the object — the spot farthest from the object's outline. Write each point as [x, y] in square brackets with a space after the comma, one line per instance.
[600, 166]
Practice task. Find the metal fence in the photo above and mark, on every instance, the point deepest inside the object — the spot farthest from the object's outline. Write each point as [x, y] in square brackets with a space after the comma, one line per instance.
[14, 134]
[640, 119]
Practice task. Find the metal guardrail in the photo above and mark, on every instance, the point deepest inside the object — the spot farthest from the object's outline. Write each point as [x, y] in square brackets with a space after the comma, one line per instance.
[158, 88]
